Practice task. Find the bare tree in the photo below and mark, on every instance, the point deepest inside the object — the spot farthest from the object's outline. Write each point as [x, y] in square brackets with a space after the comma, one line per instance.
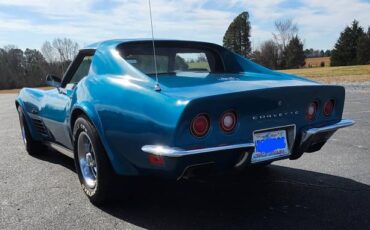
[59, 53]
[48, 52]
[60, 50]
[285, 31]
[66, 48]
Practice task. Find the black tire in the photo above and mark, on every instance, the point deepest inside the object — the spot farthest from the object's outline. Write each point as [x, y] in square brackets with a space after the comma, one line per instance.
[105, 177]
[33, 147]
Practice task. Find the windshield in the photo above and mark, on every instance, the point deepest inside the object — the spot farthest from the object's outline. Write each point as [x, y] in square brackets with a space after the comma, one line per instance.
[172, 59]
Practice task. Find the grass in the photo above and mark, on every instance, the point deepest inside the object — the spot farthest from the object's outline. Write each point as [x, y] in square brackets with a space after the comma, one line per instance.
[359, 73]
[198, 65]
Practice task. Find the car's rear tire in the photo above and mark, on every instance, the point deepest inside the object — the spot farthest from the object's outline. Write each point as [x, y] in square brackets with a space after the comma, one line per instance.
[93, 167]
[32, 147]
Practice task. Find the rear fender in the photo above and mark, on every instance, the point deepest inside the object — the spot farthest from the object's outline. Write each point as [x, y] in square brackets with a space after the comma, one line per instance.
[120, 165]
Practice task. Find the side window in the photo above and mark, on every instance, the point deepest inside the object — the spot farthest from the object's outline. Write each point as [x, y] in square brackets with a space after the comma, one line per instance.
[82, 70]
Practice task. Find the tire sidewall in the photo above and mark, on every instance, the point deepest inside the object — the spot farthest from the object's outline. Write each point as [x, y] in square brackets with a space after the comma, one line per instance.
[33, 147]
[23, 127]
[83, 126]
[105, 176]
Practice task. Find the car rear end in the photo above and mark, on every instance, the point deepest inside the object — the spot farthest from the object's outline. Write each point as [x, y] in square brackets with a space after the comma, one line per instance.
[235, 130]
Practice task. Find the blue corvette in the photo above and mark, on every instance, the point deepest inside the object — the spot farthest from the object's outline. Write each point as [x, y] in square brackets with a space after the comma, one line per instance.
[120, 111]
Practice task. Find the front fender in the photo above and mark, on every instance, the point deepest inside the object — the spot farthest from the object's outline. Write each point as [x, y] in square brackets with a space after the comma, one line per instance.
[28, 100]
[120, 165]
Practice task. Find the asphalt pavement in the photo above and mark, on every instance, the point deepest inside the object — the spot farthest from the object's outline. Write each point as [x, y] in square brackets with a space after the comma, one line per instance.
[329, 189]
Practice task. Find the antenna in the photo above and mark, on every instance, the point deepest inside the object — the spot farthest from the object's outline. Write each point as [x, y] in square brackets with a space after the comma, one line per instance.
[157, 87]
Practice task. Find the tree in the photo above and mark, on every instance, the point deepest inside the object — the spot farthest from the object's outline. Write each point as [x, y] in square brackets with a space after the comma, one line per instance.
[267, 55]
[345, 51]
[363, 49]
[35, 67]
[48, 52]
[294, 54]
[285, 31]
[181, 63]
[59, 53]
[327, 53]
[66, 49]
[237, 35]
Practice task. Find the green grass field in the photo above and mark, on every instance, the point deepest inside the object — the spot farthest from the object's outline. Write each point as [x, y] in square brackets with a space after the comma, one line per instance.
[198, 65]
[359, 73]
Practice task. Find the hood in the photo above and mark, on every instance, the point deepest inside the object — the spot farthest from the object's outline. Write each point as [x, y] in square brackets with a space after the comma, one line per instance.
[196, 85]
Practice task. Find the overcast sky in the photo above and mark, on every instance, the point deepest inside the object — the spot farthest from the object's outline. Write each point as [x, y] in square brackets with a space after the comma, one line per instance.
[28, 23]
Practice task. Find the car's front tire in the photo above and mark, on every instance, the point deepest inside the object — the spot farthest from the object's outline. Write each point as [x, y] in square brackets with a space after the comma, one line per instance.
[32, 147]
[92, 164]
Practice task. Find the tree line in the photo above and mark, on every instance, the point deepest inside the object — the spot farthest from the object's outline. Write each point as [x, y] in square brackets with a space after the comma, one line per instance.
[285, 50]
[312, 53]
[29, 67]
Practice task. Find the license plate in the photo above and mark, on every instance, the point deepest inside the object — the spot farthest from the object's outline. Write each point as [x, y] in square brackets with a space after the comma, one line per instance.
[270, 145]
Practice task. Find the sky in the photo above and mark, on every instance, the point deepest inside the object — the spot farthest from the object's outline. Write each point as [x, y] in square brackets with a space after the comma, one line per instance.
[29, 23]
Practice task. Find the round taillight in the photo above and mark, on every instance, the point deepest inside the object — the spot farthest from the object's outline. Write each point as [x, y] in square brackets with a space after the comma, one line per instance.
[329, 107]
[228, 121]
[200, 125]
[311, 111]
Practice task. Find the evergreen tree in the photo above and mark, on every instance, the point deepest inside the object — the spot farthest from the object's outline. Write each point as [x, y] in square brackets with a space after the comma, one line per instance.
[345, 51]
[294, 54]
[327, 53]
[363, 49]
[237, 35]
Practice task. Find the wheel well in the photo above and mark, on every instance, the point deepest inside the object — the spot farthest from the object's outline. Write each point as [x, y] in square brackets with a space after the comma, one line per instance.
[75, 114]
[16, 104]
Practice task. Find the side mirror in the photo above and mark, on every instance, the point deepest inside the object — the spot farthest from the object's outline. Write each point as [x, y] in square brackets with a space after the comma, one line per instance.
[53, 81]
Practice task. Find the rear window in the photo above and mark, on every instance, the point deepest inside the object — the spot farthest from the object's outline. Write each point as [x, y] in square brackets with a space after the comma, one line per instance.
[171, 58]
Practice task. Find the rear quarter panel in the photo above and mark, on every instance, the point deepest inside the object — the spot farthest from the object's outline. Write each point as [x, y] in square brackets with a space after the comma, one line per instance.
[128, 116]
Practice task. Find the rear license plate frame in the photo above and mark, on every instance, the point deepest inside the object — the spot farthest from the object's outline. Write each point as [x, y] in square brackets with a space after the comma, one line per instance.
[277, 136]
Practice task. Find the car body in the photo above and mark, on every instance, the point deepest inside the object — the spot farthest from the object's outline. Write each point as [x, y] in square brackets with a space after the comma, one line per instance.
[172, 122]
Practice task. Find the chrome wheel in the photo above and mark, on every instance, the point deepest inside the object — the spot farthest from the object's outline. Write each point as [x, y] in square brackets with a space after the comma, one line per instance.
[87, 160]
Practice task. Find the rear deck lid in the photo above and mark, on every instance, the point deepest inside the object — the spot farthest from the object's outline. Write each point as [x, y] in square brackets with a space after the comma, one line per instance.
[197, 85]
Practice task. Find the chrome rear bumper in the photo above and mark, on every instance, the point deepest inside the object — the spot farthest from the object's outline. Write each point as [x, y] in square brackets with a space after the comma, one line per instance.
[309, 137]
[178, 152]
[330, 128]
[313, 139]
